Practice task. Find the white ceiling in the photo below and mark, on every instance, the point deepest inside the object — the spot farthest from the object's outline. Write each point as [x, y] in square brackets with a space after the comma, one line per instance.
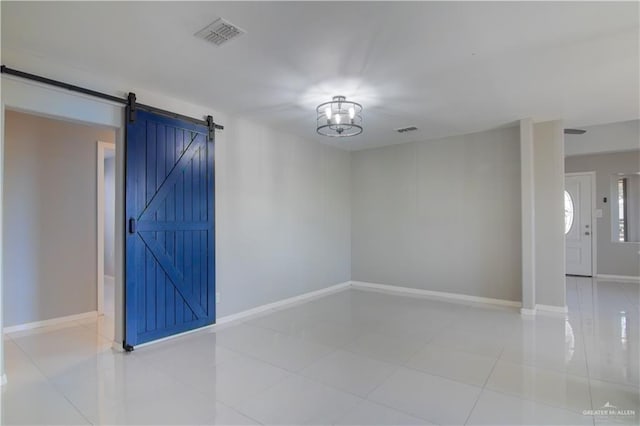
[448, 68]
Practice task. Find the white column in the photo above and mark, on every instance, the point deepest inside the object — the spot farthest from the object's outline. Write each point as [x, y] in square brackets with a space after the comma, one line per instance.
[548, 146]
[527, 186]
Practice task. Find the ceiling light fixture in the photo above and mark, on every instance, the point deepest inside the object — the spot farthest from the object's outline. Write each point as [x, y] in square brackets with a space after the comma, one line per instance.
[339, 118]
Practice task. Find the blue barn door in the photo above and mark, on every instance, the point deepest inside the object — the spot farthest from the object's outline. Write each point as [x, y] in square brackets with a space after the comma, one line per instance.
[170, 241]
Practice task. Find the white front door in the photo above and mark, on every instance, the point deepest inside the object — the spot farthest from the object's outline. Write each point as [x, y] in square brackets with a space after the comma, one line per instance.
[578, 223]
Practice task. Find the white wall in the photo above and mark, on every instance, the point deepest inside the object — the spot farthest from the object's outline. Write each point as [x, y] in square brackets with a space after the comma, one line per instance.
[440, 215]
[548, 153]
[109, 215]
[614, 258]
[283, 216]
[50, 224]
[614, 137]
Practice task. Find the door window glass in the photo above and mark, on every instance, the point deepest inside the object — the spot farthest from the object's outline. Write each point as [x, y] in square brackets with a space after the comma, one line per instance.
[568, 212]
[622, 210]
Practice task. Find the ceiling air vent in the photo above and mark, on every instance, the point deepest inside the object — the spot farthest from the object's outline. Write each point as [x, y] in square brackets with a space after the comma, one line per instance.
[574, 132]
[406, 129]
[219, 32]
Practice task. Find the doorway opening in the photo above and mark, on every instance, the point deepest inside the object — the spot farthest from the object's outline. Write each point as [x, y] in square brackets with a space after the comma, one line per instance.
[50, 243]
[579, 224]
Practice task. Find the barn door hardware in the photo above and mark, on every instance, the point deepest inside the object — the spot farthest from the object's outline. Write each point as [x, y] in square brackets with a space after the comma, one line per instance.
[131, 107]
[130, 101]
[132, 226]
[211, 126]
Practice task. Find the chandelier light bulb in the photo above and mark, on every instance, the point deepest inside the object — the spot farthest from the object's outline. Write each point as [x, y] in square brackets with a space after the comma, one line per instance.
[352, 112]
[337, 118]
[327, 112]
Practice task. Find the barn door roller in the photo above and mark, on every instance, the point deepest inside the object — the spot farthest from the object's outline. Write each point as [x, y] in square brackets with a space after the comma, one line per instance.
[131, 107]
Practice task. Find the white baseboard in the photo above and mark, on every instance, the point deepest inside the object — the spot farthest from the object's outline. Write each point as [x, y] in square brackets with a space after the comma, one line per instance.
[385, 288]
[295, 300]
[49, 322]
[625, 278]
[528, 312]
[249, 313]
[550, 309]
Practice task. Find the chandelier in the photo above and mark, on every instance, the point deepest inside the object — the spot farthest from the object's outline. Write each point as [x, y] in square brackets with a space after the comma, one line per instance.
[339, 118]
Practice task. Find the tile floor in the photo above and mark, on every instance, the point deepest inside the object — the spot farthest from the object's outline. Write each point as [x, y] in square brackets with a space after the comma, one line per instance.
[351, 358]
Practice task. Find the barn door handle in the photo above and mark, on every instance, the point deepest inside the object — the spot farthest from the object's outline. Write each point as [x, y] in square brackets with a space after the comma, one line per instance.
[132, 226]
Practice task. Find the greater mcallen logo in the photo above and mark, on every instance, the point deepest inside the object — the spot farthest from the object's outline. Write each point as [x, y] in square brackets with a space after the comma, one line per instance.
[609, 409]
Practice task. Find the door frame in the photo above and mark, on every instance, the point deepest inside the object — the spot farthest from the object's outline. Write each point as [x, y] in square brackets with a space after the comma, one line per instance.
[594, 219]
[102, 148]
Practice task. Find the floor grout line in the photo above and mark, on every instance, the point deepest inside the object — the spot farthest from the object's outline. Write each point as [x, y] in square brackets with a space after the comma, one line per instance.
[483, 387]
